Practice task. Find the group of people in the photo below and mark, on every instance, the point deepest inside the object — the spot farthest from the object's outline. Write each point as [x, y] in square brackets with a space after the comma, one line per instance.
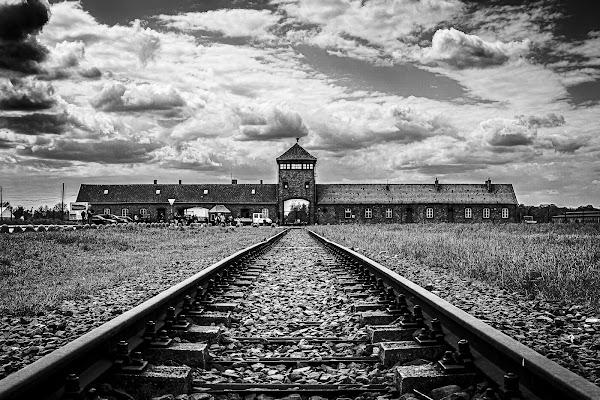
[87, 217]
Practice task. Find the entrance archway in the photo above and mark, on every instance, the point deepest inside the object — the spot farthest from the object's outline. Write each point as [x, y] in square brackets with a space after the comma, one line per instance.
[296, 211]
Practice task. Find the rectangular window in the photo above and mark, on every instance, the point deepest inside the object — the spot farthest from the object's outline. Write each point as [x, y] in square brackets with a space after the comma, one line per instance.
[105, 191]
[205, 191]
[368, 213]
[285, 185]
[505, 213]
[388, 213]
[429, 212]
[107, 211]
[124, 212]
[348, 213]
[486, 213]
[468, 213]
[143, 212]
[253, 191]
[306, 185]
[157, 191]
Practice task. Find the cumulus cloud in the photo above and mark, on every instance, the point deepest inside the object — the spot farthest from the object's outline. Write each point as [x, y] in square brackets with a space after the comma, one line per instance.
[116, 96]
[358, 126]
[270, 123]
[228, 22]
[519, 131]
[26, 94]
[20, 21]
[190, 155]
[460, 50]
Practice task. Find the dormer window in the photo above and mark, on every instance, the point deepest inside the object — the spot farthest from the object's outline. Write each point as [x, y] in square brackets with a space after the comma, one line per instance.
[253, 191]
[105, 191]
[157, 191]
[205, 191]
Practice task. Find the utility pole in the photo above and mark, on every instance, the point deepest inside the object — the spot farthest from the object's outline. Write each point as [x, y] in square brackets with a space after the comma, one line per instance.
[62, 202]
[1, 203]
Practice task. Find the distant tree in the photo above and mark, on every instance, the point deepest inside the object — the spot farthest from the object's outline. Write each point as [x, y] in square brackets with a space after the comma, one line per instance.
[18, 212]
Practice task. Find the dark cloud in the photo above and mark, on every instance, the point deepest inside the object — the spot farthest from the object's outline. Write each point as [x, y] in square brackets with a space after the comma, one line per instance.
[105, 152]
[20, 21]
[26, 95]
[92, 73]
[6, 144]
[274, 124]
[36, 123]
[522, 130]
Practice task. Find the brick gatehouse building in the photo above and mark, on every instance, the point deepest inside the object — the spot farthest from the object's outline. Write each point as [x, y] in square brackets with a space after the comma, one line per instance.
[324, 203]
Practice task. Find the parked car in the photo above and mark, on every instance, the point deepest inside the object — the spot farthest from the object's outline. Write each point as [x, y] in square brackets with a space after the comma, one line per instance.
[103, 219]
[122, 219]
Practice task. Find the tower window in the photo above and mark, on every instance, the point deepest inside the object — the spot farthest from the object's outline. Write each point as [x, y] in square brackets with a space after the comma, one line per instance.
[348, 213]
[306, 185]
[285, 185]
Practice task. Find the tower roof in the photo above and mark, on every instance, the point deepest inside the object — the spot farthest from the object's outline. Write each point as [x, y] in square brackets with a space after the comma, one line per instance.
[296, 153]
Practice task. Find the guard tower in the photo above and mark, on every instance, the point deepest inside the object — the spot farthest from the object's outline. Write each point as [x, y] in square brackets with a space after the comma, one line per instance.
[297, 181]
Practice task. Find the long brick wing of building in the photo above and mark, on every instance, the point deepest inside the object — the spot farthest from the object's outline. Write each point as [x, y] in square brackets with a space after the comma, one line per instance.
[324, 203]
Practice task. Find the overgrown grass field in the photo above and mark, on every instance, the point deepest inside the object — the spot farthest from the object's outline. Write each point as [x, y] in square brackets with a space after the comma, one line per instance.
[38, 270]
[559, 262]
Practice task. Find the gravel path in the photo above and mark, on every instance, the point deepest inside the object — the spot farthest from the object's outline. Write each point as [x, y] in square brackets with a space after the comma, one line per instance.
[295, 288]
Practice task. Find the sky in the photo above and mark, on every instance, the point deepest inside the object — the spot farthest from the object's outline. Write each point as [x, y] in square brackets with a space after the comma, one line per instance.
[398, 91]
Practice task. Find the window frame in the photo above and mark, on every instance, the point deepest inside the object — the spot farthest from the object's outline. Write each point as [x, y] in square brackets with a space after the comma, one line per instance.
[468, 213]
[124, 212]
[389, 213]
[505, 212]
[144, 212]
[485, 214]
[106, 211]
[368, 213]
[429, 213]
[348, 213]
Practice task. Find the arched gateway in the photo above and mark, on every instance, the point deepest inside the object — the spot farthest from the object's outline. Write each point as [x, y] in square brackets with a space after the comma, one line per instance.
[297, 180]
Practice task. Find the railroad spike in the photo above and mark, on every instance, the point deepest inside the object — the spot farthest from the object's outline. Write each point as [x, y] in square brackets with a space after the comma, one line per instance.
[73, 390]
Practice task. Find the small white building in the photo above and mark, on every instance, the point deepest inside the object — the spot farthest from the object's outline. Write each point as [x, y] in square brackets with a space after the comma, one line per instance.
[6, 212]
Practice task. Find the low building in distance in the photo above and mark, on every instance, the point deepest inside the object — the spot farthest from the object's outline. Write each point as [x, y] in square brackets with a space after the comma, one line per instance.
[297, 198]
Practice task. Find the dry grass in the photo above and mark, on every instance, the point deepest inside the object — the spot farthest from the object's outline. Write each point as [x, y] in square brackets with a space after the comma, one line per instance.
[560, 262]
[39, 270]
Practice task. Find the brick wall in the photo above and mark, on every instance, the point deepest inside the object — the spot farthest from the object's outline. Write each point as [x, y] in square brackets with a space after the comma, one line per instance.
[334, 214]
[153, 208]
[296, 181]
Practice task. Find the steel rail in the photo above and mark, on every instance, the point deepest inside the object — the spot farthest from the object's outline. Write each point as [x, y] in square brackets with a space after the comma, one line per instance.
[495, 353]
[90, 355]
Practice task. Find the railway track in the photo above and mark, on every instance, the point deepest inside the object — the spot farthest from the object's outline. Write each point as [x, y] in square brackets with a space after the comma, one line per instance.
[295, 316]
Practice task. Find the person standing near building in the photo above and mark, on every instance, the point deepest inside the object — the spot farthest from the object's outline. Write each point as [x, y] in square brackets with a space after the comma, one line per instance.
[90, 214]
[83, 217]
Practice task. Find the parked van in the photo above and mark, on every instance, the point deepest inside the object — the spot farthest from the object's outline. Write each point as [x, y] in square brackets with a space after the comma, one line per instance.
[260, 219]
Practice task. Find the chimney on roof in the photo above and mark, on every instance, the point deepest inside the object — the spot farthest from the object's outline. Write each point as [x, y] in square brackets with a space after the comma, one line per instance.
[155, 182]
[488, 185]
[234, 181]
[261, 181]
[437, 185]
[180, 181]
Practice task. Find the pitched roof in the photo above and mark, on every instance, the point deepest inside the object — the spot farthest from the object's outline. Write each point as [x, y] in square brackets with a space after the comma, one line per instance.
[415, 194]
[220, 208]
[195, 193]
[296, 153]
